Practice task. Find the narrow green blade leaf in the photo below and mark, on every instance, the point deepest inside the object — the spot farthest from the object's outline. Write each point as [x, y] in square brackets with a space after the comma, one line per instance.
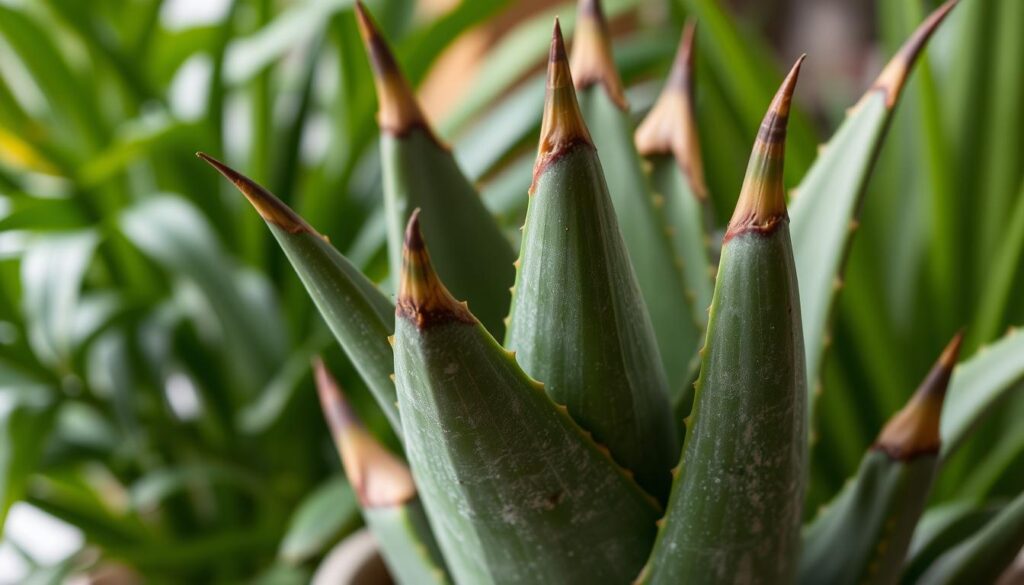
[735, 509]
[52, 270]
[644, 226]
[978, 385]
[864, 534]
[984, 556]
[824, 210]
[71, 102]
[515, 491]
[360, 317]
[471, 252]
[578, 321]
[999, 283]
[24, 424]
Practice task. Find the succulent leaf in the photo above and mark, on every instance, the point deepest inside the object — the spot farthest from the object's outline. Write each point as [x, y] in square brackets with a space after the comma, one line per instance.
[471, 252]
[863, 536]
[385, 488]
[825, 208]
[668, 141]
[516, 492]
[641, 217]
[358, 314]
[578, 321]
[734, 513]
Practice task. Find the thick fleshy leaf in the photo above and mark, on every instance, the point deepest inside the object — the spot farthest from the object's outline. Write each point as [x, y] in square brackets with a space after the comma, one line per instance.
[642, 220]
[385, 490]
[667, 139]
[516, 492]
[982, 557]
[358, 314]
[864, 534]
[827, 201]
[471, 252]
[578, 321]
[735, 509]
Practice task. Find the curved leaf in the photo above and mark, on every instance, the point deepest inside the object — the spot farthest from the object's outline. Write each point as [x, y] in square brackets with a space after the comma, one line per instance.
[827, 201]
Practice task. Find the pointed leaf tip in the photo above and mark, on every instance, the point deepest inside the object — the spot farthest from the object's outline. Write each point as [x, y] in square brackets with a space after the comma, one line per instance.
[671, 125]
[895, 73]
[562, 125]
[379, 478]
[267, 205]
[914, 430]
[422, 297]
[398, 110]
[592, 61]
[762, 202]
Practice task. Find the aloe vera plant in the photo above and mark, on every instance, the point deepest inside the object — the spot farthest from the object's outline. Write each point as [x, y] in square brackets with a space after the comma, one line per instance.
[629, 388]
[545, 460]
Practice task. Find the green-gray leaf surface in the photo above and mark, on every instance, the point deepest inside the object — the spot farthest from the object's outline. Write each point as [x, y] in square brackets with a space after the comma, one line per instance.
[515, 491]
[645, 230]
[471, 252]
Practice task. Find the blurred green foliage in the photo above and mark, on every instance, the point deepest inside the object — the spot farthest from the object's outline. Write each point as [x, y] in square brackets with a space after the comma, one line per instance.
[154, 344]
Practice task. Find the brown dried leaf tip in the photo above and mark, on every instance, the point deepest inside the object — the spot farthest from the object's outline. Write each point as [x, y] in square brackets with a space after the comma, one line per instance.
[894, 75]
[592, 61]
[398, 111]
[379, 478]
[267, 205]
[422, 297]
[671, 126]
[562, 125]
[914, 430]
[761, 206]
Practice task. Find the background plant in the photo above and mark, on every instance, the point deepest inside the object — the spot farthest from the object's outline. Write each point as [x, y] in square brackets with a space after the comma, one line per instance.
[155, 378]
